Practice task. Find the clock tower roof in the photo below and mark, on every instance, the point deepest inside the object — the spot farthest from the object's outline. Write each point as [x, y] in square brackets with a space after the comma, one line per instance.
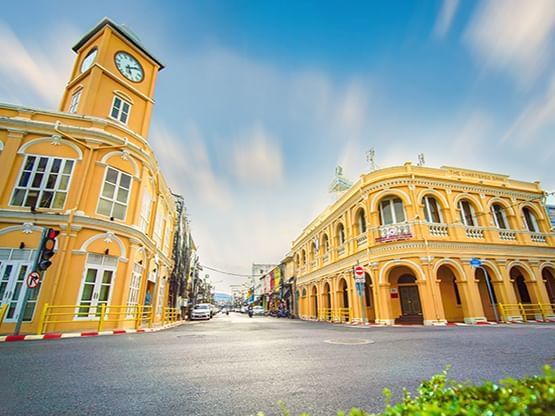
[123, 31]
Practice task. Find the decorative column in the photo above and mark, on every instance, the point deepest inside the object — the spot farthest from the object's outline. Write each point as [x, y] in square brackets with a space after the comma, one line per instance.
[433, 311]
[468, 289]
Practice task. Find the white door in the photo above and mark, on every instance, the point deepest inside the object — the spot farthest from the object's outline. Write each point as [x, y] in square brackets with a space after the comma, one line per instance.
[12, 287]
[97, 285]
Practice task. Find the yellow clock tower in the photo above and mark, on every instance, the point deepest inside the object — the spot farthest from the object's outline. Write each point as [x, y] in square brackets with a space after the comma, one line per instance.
[113, 77]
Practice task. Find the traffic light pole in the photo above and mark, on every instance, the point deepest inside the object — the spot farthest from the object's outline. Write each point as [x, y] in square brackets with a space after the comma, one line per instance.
[28, 291]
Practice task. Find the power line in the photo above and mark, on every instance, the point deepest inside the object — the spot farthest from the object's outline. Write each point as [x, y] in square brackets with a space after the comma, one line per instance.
[229, 273]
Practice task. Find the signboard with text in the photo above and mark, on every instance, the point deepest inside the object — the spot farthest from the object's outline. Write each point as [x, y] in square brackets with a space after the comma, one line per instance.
[394, 233]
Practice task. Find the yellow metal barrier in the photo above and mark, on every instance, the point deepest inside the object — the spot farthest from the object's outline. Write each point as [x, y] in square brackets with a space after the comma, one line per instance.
[170, 315]
[526, 311]
[335, 314]
[3, 311]
[79, 314]
[343, 315]
[325, 314]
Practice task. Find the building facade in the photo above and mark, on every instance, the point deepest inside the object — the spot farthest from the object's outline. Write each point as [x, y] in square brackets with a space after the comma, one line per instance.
[414, 231]
[182, 256]
[89, 171]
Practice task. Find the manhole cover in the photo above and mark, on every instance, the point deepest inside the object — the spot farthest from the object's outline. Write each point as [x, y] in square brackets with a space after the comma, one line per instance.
[349, 341]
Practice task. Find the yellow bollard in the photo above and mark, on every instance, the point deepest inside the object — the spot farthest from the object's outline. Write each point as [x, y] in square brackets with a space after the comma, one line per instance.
[138, 317]
[3, 310]
[523, 312]
[42, 319]
[101, 320]
[151, 318]
[502, 312]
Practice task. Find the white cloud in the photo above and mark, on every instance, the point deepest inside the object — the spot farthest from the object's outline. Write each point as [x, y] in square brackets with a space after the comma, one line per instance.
[445, 17]
[185, 162]
[35, 74]
[536, 122]
[514, 36]
[257, 158]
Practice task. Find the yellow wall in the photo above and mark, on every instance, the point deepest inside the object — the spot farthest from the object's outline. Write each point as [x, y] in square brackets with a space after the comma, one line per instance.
[433, 253]
[94, 145]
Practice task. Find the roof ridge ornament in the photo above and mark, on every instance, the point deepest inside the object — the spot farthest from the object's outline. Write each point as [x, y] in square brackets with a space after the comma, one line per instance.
[340, 183]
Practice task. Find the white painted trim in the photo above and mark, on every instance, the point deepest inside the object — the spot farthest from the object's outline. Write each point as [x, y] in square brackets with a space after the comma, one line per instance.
[476, 201]
[19, 228]
[435, 193]
[547, 264]
[392, 263]
[119, 153]
[123, 252]
[386, 192]
[493, 266]
[526, 267]
[23, 149]
[452, 262]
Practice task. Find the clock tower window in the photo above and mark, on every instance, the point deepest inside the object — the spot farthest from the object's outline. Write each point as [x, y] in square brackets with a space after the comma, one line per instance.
[75, 101]
[120, 110]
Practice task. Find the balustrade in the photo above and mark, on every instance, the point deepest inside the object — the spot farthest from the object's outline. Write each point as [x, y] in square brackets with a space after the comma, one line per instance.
[438, 230]
[507, 235]
[474, 232]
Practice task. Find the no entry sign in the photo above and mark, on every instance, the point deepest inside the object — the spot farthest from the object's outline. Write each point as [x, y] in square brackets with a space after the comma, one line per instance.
[359, 274]
[33, 280]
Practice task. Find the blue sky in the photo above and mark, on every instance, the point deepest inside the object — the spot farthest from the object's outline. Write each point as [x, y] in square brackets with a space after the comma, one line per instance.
[260, 100]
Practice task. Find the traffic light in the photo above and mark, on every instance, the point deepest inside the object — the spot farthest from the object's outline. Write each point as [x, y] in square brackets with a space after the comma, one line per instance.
[47, 249]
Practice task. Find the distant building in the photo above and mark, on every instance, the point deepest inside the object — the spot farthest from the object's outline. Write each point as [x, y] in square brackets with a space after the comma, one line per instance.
[182, 255]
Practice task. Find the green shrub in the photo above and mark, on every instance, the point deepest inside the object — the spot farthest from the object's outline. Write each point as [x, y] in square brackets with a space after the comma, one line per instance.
[440, 396]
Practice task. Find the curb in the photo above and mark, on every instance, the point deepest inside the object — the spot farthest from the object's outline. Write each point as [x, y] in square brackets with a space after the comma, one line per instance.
[50, 336]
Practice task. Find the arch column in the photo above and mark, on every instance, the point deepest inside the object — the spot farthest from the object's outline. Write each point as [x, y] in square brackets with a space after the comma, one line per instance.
[468, 289]
[384, 313]
[504, 289]
[537, 286]
[436, 314]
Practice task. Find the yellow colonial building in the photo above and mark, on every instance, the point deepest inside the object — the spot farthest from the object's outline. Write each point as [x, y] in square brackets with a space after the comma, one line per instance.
[87, 170]
[414, 230]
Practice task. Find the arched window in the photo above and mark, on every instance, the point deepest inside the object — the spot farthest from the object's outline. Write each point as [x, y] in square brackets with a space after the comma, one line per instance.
[468, 214]
[340, 234]
[392, 211]
[499, 216]
[361, 221]
[297, 260]
[304, 292]
[530, 220]
[431, 210]
[303, 257]
[326, 243]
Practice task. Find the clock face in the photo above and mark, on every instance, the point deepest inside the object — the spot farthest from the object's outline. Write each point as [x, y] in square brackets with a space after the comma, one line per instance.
[129, 67]
[89, 59]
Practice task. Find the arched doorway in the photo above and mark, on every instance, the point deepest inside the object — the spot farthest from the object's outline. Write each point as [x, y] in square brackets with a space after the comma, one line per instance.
[487, 304]
[409, 299]
[314, 311]
[450, 295]
[404, 301]
[369, 299]
[343, 295]
[519, 285]
[549, 280]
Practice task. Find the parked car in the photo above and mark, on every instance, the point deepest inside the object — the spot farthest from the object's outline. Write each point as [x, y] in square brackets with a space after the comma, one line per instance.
[202, 311]
[214, 310]
[258, 310]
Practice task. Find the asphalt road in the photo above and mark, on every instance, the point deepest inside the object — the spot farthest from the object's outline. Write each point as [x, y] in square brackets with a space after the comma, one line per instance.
[235, 365]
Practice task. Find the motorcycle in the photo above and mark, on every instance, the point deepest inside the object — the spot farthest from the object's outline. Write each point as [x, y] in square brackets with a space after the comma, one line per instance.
[250, 313]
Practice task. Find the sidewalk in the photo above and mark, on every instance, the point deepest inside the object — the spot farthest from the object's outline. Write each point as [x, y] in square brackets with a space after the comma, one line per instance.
[58, 335]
